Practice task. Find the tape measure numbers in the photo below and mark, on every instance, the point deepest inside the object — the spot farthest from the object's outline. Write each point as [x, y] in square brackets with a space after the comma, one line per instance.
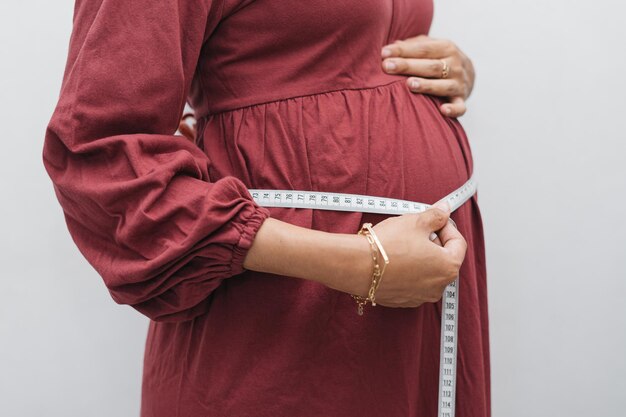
[370, 204]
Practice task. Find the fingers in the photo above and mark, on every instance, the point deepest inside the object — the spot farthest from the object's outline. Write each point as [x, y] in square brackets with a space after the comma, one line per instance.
[428, 68]
[455, 108]
[441, 88]
[435, 239]
[453, 242]
[419, 47]
[434, 219]
[443, 206]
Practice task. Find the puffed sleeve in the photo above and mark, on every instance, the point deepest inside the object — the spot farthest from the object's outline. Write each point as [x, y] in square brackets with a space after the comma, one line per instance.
[136, 198]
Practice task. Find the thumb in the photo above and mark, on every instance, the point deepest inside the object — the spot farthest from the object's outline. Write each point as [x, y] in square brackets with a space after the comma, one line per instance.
[435, 217]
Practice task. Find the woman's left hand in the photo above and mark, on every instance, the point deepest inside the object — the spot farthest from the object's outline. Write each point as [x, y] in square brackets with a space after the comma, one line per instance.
[425, 60]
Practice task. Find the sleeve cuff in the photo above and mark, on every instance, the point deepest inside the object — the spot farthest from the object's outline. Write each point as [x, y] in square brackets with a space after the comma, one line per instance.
[249, 226]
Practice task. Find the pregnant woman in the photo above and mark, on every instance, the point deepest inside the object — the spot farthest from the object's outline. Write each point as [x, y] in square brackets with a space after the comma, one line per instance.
[251, 308]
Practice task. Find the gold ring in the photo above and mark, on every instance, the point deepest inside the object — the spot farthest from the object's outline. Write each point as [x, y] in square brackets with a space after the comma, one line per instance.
[445, 71]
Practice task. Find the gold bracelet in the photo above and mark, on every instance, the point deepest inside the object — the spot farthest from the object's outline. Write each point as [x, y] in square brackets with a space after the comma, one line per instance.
[377, 274]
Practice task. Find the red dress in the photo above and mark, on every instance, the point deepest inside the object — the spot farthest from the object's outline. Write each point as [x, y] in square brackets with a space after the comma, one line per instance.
[288, 95]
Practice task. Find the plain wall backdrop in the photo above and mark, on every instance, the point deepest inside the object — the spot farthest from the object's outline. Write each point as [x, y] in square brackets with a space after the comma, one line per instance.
[546, 122]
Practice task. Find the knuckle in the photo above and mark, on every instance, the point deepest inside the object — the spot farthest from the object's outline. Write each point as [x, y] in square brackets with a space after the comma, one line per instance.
[451, 46]
[466, 91]
[398, 49]
[452, 271]
[464, 243]
[435, 295]
[425, 50]
[457, 266]
[450, 275]
[438, 216]
[422, 223]
[457, 72]
[434, 67]
[460, 88]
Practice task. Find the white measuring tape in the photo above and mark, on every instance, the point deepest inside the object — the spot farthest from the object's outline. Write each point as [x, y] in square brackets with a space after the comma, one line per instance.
[381, 205]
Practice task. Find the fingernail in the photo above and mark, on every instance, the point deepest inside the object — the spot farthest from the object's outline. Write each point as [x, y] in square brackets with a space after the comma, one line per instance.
[414, 84]
[448, 110]
[390, 66]
[442, 205]
[386, 52]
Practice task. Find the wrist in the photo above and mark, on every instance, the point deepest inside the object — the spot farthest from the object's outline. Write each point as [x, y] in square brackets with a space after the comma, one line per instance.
[349, 264]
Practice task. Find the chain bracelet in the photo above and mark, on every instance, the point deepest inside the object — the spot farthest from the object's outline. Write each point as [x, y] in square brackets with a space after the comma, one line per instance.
[378, 252]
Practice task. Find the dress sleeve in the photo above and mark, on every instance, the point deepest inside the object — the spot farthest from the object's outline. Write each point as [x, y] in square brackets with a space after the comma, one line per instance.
[136, 198]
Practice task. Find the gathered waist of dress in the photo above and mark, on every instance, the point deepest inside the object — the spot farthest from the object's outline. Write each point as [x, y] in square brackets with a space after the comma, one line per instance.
[215, 106]
[384, 140]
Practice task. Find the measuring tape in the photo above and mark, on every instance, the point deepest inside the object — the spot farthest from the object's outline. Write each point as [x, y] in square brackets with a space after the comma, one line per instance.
[382, 205]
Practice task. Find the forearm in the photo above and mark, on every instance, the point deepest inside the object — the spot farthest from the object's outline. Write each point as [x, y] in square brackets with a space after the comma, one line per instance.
[337, 260]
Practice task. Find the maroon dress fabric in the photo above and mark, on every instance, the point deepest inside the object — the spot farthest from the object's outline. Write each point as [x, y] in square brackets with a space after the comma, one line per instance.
[288, 95]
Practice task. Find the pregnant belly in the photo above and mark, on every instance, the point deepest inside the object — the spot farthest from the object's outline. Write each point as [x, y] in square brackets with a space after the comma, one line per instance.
[383, 141]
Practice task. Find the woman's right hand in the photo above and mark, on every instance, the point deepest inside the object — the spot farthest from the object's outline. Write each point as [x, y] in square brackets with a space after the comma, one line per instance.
[419, 269]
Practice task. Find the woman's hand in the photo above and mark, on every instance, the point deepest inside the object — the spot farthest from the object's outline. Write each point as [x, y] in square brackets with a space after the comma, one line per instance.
[419, 269]
[422, 58]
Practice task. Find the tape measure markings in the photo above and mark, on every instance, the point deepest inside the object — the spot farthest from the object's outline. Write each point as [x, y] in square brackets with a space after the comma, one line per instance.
[382, 205]
[355, 202]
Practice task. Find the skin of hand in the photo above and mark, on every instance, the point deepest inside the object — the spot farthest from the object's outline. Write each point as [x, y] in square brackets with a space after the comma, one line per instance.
[418, 269]
[420, 58]
[403, 284]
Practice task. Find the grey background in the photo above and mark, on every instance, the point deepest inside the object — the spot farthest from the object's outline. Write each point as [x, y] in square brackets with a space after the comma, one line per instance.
[547, 130]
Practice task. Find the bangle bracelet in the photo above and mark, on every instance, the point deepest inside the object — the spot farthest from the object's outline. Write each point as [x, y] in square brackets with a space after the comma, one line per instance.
[377, 275]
